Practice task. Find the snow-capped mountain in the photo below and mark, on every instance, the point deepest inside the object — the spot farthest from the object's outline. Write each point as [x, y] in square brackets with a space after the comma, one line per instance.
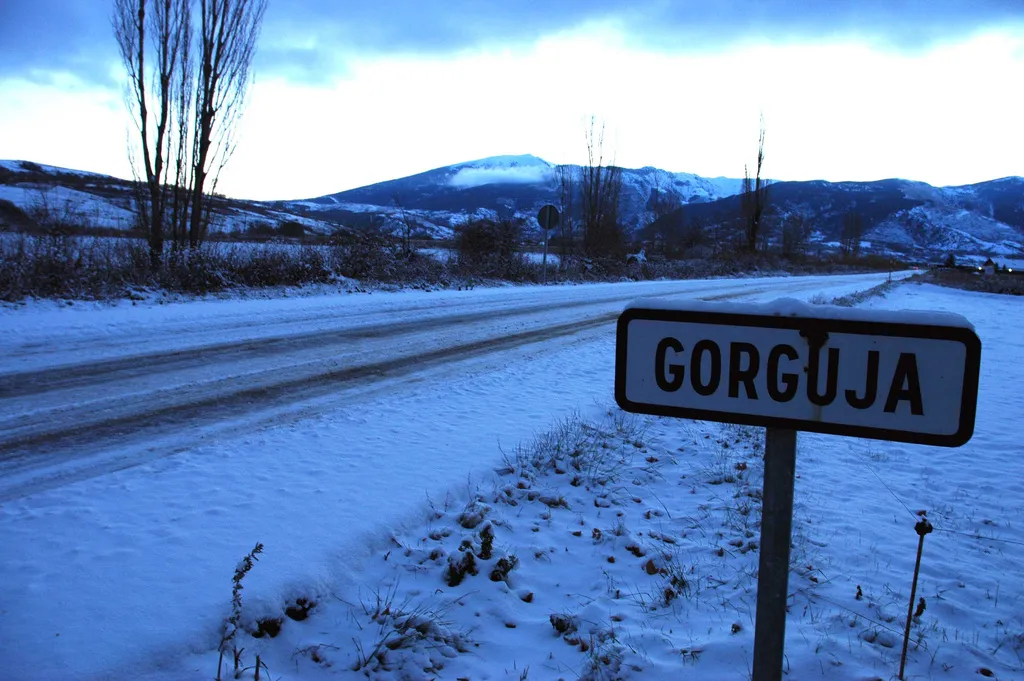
[505, 186]
[897, 215]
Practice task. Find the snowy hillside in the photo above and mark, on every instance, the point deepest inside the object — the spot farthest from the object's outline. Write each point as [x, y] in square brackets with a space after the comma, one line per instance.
[35, 192]
[898, 216]
[506, 186]
[949, 230]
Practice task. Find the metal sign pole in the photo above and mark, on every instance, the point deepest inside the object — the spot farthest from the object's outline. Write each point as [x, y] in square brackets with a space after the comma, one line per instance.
[547, 218]
[545, 264]
[690, 335]
[773, 568]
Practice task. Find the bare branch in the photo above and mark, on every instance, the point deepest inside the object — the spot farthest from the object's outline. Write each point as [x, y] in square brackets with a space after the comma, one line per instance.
[228, 34]
[754, 199]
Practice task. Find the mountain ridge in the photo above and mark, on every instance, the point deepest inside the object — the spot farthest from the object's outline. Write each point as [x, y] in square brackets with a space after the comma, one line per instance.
[903, 216]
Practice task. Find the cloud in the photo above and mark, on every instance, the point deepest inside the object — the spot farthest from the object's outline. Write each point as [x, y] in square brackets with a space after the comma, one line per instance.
[40, 38]
[310, 40]
[446, 26]
[476, 177]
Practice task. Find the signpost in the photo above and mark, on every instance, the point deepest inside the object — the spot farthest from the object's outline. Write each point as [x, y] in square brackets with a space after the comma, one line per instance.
[905, 377]
[548, 218]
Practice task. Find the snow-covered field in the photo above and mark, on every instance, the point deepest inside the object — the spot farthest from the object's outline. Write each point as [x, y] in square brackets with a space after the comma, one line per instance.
[70, 206]
[639, 542]
[449, 254]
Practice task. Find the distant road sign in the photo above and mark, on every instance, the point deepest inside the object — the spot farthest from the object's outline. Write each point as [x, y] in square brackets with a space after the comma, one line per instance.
[548, 217]
[911, 380]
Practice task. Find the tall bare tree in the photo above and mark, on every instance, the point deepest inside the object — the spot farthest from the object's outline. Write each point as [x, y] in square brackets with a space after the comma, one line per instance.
[182, 159]
[406, 224]
[185, 100]
[160, 35]
[754, 198]
[567, 177]
[228, 33]
[601, 189]
[849, 239]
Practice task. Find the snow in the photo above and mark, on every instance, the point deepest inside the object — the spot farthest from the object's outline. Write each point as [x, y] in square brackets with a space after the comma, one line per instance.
[939, 228]
[1012, 263]
[70, 205]
[127, 574]
[80, 207]
[506, 161]
[19, 167]
[792, 307]
[449, 254]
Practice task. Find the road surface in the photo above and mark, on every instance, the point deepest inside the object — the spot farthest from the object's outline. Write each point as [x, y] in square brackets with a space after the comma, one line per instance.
[87, 392]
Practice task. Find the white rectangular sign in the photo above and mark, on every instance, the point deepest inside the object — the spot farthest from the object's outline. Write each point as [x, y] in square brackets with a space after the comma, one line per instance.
[910, 380]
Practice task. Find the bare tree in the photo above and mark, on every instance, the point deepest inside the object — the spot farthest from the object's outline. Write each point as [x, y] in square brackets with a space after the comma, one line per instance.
[160, 35]
[406, 224]
[182, 159]
[567, 177]
[796, 229]
[601, 186]
[754, 198]
[849, 239]
[228, 32]
[662, 202]
[185, 100]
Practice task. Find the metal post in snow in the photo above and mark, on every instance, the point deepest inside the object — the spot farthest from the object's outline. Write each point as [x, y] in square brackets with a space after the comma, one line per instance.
[663, 393]
[773, 566]
[922, 528]
[545, 261]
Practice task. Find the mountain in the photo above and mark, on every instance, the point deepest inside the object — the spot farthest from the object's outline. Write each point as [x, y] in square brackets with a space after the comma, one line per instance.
[896, 215]
[502, 186]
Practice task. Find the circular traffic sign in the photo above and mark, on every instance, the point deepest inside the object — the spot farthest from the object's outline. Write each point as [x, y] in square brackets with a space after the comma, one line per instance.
[548, 217]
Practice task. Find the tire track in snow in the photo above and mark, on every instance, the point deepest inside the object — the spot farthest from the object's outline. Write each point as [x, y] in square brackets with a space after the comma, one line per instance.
[217, 406]
[21, 384]
[63, 436]
[75, 427]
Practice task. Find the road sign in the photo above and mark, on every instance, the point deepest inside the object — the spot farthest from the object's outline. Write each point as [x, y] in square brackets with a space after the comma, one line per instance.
[548, 217]
[911, 377]
[907, 376]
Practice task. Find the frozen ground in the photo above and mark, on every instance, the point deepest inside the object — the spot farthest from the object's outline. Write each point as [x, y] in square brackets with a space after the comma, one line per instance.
[69, 205]
[126, 573]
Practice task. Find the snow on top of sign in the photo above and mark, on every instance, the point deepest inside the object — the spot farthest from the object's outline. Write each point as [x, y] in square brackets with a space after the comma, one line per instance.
[791, 307]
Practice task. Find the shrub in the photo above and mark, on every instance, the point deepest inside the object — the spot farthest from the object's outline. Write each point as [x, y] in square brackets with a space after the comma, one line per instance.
[1004, 282]
[57, 265]
[292, 229]
[489, 248]
[10, 215]
[368, 253]
[195, 270]
[228, 640]
[271, 265]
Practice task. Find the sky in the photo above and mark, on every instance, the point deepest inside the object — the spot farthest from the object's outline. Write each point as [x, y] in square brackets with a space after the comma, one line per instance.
[348, 94]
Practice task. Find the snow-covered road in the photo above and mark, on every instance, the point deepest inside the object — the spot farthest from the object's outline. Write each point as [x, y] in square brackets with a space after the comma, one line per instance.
[71, 393]
[313, 424]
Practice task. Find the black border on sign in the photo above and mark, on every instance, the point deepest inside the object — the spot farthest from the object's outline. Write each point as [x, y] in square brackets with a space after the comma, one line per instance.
[968, 398]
